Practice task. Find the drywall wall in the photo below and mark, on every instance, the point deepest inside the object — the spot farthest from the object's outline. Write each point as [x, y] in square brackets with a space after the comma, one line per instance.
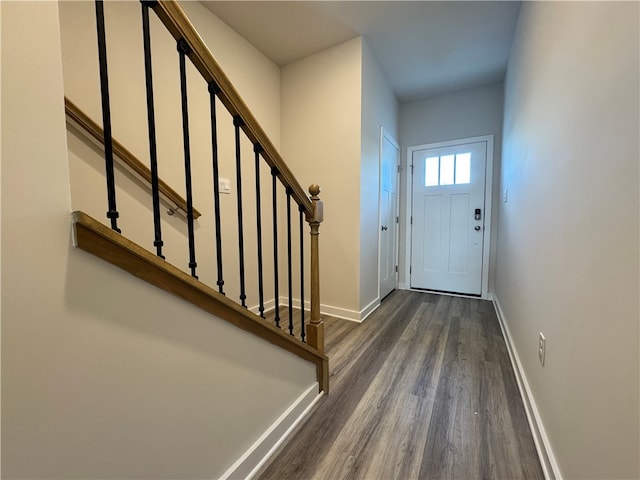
[321, 131]
[379, 109]
[333, 105]
[255, 77]
[465, 114]
[104, 376]
[257, 80]
[568, 235]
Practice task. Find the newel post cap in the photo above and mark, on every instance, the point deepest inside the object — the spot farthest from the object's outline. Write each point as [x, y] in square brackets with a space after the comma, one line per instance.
[317, 216]
[314, 190]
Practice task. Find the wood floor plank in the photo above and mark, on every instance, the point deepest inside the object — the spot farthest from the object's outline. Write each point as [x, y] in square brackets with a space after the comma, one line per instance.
[408, 426]
[501, 436]
[354, 453]
[422, 389]
[316, 438]
[438, 449]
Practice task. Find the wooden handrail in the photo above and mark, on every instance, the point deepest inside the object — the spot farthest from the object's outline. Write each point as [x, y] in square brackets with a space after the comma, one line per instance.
[99, 240]
[95, 131]
[178, 24]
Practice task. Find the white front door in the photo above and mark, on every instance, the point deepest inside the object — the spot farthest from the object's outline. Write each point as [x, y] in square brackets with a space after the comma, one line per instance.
[447, 219]
[389, 161]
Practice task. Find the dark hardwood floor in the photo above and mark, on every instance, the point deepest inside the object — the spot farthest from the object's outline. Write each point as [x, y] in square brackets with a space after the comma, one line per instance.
[422, 389]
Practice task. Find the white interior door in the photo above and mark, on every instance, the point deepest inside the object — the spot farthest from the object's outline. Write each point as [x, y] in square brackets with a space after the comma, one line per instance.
[389, 161]
[447, 219]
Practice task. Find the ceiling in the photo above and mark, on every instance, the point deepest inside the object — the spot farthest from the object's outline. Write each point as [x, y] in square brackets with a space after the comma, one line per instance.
[425, 48]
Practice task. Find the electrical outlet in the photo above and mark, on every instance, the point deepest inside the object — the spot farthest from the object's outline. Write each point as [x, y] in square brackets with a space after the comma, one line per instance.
[542, 345]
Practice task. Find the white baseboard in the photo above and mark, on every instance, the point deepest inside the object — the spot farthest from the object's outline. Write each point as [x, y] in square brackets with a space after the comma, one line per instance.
[352, 315]
[369, 309]
[261, 451]
[343, 313]
[548, 460]
[268, 306]
[338, 312]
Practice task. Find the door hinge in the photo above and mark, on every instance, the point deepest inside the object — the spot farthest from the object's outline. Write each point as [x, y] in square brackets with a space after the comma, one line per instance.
[396, 268]
[399, 168]
[412, 220]
[410, 268]
[412, 169]
[397, 219]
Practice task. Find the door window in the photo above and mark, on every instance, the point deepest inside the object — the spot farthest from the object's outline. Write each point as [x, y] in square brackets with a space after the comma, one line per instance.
[448, 170]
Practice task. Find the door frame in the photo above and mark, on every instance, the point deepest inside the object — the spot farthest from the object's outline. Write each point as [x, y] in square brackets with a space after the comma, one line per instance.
[488, 195]
[396, 227]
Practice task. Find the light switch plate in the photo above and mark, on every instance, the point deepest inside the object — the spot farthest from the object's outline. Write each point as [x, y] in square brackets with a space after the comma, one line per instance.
[224, 184]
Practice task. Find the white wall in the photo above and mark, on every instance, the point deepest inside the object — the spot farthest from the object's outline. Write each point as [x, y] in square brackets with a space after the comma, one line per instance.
[333, 105]
[255, 77]
[379, 108]
[321, 125]
[104, 376]
[568, 247]
[465, 114]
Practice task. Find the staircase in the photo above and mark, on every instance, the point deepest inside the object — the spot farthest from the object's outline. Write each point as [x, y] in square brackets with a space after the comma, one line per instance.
[265, 261]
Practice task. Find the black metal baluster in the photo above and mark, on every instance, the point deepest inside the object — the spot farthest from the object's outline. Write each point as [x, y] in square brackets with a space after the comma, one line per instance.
[213, 91]
[184, 49]
[276, 299]
[289, 261]
[302, 335]
[257, 149]
[112, 214]
[151, 120]
[237, 123]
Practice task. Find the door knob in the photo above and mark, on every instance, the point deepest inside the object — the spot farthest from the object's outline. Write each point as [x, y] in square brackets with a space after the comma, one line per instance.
[384, 228]
[477, 228]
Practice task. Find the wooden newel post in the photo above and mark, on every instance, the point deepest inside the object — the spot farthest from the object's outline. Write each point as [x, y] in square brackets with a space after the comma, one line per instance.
[315, 328]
